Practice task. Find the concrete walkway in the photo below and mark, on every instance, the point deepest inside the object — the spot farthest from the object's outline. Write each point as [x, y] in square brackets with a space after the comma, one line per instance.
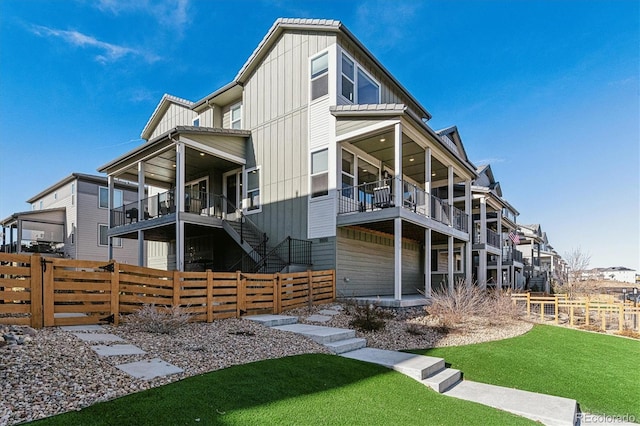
[146, 369]
[431, 371]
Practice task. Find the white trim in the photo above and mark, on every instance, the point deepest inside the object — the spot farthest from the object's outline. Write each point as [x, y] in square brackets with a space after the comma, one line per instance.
[193, 121]
[311, 175]
[113, 239]
[356, 67]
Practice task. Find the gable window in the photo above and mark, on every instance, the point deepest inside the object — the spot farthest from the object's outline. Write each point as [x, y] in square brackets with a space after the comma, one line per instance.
[103, 238]
[41, 204]
[196, 122]
[320, 173]
[356, 85]
[73, 194]
[253, 189]
[236, 116]
[319, 76]
[103, 198]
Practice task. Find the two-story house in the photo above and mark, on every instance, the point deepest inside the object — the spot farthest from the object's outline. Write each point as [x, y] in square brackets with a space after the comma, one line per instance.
[314, 143]
[71, 219]
[496, 261]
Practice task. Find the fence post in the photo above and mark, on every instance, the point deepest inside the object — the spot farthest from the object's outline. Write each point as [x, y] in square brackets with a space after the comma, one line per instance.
[277, 296]
[333, 284]
[36, 291]
[310, 283]
[239, 294]
[586, 312]
[48, 304]
[115, 293]
[621, 317]
[571, 315]
[209, 295]
[176, 289]
[542, 310]
[556, 309]
[528, 305]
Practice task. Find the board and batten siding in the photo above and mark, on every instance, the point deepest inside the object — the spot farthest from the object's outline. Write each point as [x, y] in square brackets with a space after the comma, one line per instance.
[365, 264]
[175, 115]
[235, 146]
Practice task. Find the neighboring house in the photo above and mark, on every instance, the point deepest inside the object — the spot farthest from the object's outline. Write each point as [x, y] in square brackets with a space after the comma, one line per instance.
[618, 273]
[70, 219]
[495, 235]
[543, 265]
[313, 141]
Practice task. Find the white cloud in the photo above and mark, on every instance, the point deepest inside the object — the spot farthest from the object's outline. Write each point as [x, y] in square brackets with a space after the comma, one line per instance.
[108, 52]
[168, 13]
[387, 23]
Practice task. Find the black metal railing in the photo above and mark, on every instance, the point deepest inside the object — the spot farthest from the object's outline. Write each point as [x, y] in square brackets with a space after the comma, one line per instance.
[511, 254]
[373, 196]
[290, 251]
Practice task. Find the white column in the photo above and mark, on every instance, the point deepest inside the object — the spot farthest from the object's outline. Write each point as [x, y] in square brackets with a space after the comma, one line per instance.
[468, 255]
[397, 258]
[397, 166]
[450, 193]
[499, 265]
[179, 200]
[427, 181]
[110, 184]
[427, 262]
[450, 264]
[141, 210]
[482, 252]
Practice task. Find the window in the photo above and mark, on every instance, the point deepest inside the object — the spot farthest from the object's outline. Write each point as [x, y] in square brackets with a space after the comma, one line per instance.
[236, 116]
[366, 91]
[41, 205]
[347, 174]
[103, 238]
[73, 194]
[72, 236]
[319, 173]
[103, 198]
[196, 122]
[55, 195]
[253, 189]
[319, 76]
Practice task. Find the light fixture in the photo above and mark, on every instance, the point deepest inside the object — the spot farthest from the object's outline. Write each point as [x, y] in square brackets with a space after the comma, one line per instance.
[411, 159]
[174, 166]
[202, 154]
[364, 170]
[382, 139]
[433, 174]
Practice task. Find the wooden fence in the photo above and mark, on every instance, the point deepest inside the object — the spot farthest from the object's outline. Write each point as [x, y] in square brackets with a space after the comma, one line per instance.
[40, 291]
[584, 311]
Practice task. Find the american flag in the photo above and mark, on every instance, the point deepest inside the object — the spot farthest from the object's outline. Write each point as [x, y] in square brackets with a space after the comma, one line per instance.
[514, 237]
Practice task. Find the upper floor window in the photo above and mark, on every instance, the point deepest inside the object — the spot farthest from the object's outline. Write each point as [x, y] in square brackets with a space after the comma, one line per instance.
[319, 76]
[196, 122]
[103, 237]
[41, 204]
[73, 194]
[236, 116]
[356, 85]
[320, 173]
[253, 189]
[103, 198]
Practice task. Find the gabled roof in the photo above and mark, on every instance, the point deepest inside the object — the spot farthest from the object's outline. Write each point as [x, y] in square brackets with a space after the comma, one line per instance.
[161, 108]
[451, 133]
[327, 25]
[10, 220]
[100, 180]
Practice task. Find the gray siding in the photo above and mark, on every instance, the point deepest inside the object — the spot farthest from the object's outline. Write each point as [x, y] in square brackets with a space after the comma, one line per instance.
[324, 253]
[232, 145]
[175, 115]
[365, 264]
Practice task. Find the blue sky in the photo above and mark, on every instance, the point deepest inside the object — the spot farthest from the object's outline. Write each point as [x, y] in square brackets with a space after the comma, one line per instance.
[545, 91]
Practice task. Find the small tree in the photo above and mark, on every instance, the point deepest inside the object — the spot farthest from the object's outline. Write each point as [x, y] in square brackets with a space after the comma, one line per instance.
[578, 262]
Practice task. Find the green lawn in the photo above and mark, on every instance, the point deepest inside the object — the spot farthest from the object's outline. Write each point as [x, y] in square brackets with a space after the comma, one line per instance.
[601, 372]
[306, 389]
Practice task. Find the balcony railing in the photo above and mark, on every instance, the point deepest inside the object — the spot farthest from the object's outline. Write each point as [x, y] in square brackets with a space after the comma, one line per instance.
[163, 204]
[493, 238]
[510, 254]
[373, 196]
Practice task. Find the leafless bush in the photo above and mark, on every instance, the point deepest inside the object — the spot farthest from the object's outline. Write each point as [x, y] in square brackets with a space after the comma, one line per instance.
[464, 302]
[578, 288]
[153, 319]
[501, 307]
[370, 317]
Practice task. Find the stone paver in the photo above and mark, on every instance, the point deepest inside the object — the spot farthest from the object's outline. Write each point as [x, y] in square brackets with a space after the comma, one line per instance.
[88, 327]
[149, 369]
[98, 337]
[115, 350]
[318, 318]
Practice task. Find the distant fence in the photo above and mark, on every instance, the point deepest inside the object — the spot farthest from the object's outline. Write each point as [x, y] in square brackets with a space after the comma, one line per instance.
[41, 291]
[584, 311]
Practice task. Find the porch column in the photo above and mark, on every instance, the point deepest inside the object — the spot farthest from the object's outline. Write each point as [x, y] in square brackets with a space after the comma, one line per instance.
[450, 194]
[450, 264]
[468, 247]
[397, 166]
[179, 200]
[397, 258]
[19, 236]
[499, 265]
[110, 185]
[427, 262]
[482, 252]
[141, 211]
[427, 182]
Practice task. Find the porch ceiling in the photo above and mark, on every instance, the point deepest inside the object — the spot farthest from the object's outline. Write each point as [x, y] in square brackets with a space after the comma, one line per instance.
[409, 230]
[381, 146]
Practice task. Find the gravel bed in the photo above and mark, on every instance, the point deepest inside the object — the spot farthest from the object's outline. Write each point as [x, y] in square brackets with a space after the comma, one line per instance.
[54, 371]
[57, 372]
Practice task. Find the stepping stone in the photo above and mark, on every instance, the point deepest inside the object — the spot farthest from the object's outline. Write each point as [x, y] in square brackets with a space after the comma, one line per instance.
[547, 409]
[319, 318]
[88, 327]
[69, 315]
[346, 345]
[418, 367]
[319, 334]
[272, 320]
[149, 369]
[104, 350]
[329, 312]
[98, 337]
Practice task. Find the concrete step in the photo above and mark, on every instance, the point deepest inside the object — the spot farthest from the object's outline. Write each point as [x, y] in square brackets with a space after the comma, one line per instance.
[547, 409]
[443, 380]
[346, 345]
[319, 334]
[418, 367]
[273, 320]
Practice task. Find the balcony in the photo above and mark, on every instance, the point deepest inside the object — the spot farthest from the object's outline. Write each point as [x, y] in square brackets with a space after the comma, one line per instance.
[511, 255]
[493, 238]
[369, 197]
[163, 204]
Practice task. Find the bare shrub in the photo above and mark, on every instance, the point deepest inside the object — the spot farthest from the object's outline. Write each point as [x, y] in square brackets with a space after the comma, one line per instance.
[369, 317]
[153, 319]
[464, 302]
[500, 306]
